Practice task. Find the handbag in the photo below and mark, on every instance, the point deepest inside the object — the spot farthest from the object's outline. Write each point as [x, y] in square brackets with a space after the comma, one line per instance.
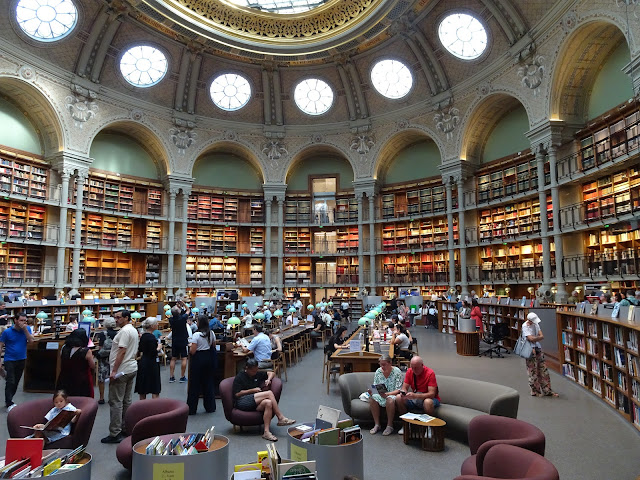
[523, 347]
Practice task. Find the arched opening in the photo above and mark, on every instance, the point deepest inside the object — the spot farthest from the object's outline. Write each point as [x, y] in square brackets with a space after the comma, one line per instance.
[319, 162]
[508, 135]
[17, 130]
[586, 63]
[408, 156]
[227, 170]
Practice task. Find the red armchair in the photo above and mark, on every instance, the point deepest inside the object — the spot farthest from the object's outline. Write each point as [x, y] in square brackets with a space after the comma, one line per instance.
[30, 413]
[485, 431]
[240, 417]
[151, 418]
[509, 462]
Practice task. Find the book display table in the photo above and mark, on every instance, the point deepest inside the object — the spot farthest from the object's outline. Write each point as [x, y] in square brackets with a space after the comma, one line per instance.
[212, 464]
[332, 461]
[430, 434]
[83, 472]
[467, 343]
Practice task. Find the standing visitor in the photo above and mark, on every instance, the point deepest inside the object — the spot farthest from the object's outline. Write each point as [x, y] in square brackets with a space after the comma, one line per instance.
[148, 378]
[539, 381]
[77, 366]
[201, 370]
[105, 340]
[179, 340]
[14, 343]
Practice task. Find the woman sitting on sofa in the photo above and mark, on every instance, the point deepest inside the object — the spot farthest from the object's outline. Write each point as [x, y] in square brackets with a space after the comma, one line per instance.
[391, 378]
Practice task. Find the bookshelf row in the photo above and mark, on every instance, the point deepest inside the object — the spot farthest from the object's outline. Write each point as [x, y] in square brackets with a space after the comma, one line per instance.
[612, 195]
[425, 267]
[415, 235]
[512, 220]
[118, 232]
[408, 202]
[211, 270]
[22, 220]
[297, 211]
[601, 355]
[204, 206]
[26, 178]
[516, 261]
[110, 267]
[520, 176]
[21, 263]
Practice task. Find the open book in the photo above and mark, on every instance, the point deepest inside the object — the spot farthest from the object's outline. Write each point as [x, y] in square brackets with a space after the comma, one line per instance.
[379, 389]
[58, 422]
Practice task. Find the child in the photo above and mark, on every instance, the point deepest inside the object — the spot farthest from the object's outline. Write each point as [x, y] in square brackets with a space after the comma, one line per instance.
[60, 402]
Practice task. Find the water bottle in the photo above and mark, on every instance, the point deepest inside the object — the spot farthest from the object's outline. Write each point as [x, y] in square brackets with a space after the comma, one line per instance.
[361, 337]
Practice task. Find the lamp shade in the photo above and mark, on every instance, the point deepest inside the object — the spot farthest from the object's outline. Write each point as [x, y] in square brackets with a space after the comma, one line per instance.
[319, 305]
[234, 321]
[87, 313]
[228, 308]
[266, 303]
[203, 305]
[246, 305]
[259, 316]
[167, 306]
[167, 313]
[310, 307]
[363, 321]
[257, 304]
[195, 310]
[42, 315]
[278, 313]
[294, 310]
[135, 315]
[370, 315]
[330, 304]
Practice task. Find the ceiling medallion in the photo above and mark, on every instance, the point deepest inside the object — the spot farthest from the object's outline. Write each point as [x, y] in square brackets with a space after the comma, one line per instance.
[322, 28]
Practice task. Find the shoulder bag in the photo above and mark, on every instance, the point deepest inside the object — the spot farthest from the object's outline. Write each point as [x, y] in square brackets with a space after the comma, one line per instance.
[523, 347]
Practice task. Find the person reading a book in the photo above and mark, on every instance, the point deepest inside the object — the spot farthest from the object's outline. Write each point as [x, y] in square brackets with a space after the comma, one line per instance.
[252, 392]
[419, 391]
[337, 341]
[52, 432]
[388, 381]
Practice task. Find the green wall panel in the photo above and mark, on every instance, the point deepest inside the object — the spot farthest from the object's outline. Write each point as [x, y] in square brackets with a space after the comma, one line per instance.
[508, 136]
[16, 130]
[118, 153]
[298, 176]
[611, 87]
[224, 170]
[420, 160]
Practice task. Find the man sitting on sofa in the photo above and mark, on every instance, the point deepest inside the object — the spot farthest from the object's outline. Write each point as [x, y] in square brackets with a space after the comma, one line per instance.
[419, 391]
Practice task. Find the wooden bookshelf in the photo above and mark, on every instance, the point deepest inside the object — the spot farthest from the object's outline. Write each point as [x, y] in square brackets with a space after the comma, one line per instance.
[347, 239]
[613, 134]
[106, 191]
[415, 201]
[613, 251]
[212, 269]
[21, 263]
[305, 296]
[612, 195]
[347, 270]
[153, 235]
[297, 240]
[21, 221]
[511, 176]
[424, 267]
[212, 238]
[112, 267]
[297, 211]
[105, 231]
[346, 210]
[154, 264]
[22, 175]
[512, 220]
[222, 207]
[418, 234]
[256, 271]
[601, 354]
[297, 271]
[513, 262]
[256, 240]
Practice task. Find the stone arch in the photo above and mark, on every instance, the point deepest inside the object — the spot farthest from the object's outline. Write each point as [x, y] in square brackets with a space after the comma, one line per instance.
[398, 141]
[309, 150]
[150, 139]
[234, 147]
[576, 67]
[38, 107]
[480, 120]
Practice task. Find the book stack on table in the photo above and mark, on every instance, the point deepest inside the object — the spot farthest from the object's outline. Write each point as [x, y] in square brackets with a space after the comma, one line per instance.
[26, 459]
[183, 445]
[343, 433]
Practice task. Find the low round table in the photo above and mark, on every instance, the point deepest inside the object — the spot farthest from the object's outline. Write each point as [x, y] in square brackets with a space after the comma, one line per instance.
[467, 343]
[430, 434]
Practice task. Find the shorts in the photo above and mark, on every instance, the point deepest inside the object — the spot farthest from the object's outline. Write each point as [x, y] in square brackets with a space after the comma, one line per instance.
[179, 352]
[246, 403]
[418, 404]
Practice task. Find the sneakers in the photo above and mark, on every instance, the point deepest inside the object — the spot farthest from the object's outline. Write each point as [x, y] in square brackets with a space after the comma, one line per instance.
[172, 379]
[401, 431]
[11, 407]
[183, 379]
[375, 429]
[387, 431]
[109, 439]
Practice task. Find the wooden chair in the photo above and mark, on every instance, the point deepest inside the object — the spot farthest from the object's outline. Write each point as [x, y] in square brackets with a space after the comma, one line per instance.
[330, 368]
[289, 349]
[279, 366]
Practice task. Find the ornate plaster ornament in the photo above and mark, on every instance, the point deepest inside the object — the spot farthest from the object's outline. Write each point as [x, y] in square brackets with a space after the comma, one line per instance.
[82, 109]
[230, 135]
[569, 21]
[274, 150]
[447, 121]
[532, 74]
[27, 72]
[402, 124]
[362, 143]
[182, 138]
[137, 115]
[484, 89]
[317, 138]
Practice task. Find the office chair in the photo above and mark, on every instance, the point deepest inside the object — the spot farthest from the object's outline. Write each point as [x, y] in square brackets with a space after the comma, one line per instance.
[499, 331]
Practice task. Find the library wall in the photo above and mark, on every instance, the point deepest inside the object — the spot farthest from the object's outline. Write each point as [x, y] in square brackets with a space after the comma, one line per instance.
[611, 87]
[299, 172]
[420, 160]
[17, 131]
[114, 152]
[508, 136]
[225, 170]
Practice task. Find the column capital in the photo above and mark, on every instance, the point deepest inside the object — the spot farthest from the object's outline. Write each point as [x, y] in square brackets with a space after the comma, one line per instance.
[70, 163]
[369, 187]
[178, 183]
[277, 190]
[456, 171]
[550, 134]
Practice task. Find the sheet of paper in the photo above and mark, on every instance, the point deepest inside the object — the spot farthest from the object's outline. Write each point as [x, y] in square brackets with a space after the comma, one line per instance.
[52, 346]
[298, 454]
[168, 471]
[355, 346]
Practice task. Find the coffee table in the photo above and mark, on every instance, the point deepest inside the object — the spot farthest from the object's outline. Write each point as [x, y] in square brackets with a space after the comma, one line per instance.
[430, 434]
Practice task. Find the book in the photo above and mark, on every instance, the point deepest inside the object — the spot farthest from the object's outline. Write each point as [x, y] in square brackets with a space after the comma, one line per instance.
[378, 389]
[331, 436]
[24, 448]
[631, 313]
[61, 420]
[350, 434]
[327, 417]
[594, 309]
[346, 423]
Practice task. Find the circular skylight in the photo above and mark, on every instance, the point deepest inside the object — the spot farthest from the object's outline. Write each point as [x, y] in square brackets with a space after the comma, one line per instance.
[46, 20]
[313, 96]
[230, 91]
[391, 78]
[463, 35]
[143, 66]
[280, 6]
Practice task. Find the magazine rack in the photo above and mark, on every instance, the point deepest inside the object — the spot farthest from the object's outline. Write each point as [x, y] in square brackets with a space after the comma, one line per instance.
[81, 473]
[215, 462]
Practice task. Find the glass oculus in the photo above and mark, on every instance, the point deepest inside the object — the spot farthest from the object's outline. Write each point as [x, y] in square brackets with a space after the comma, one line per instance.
[463, 36]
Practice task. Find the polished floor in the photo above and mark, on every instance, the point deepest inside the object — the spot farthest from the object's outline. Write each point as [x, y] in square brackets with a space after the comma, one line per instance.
[586, 439]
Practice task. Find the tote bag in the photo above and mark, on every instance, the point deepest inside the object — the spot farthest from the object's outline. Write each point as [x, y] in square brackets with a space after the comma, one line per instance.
[523, 347]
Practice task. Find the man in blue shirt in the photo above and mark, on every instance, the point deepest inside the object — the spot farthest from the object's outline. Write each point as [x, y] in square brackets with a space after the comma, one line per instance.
[216, 324]
[260, 346]
[14, 342]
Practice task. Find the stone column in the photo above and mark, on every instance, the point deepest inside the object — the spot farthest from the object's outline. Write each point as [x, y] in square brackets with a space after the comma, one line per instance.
[281, 242]
[359, 199]
[372, 244]
[464, 284]
[544, 226]
[267, 245]
[452, 252]
[62, 231]
[77, 237]
[561, 294]
[171, 241]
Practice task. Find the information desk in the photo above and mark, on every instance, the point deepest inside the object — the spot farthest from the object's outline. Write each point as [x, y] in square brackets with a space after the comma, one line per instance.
[333, 462]
[211, 464]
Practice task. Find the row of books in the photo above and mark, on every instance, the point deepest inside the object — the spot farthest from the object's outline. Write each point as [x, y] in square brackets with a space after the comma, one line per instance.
[183, 445]
[24, 459]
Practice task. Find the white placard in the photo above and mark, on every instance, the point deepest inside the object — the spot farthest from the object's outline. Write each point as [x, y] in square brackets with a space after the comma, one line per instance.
[355, 346]
[52, 346]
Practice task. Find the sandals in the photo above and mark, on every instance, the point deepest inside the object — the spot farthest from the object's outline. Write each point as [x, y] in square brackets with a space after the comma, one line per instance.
[286, 421]
[269, 437]
[375, 429]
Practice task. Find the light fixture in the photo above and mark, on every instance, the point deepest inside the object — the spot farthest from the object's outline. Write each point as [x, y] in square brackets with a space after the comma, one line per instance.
[259, 316]
[42, 315]
[292, 310]
[278, 313]
[310, 307]
[195, 310]
[87, 313]
[136, 315]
